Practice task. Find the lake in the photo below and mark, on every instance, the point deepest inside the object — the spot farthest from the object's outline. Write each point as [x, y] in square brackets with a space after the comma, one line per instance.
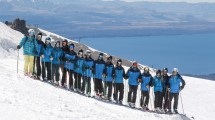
[192, 54]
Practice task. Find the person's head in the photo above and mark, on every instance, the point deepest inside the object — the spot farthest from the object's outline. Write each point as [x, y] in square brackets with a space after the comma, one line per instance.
[119, 62]
[109, 59]
[80, 53]
[175, 71]
[88, 53]
[31, 32]
[57, 44]
[39, 36]
[101, 55]
[64, 42]
[48, 40]
[71, 47]
[165, 71]
[146, 70]
[135, 64]
[158, 73]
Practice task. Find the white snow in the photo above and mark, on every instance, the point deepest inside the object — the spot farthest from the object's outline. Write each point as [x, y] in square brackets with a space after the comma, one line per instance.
[22, 98]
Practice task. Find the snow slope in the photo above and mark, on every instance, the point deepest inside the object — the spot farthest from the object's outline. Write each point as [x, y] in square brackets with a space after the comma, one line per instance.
[22, 98]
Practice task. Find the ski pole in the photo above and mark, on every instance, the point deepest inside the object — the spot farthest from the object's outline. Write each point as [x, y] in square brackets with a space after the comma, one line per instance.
[181, 102]
[52, 79]
[17, 61]
[139, 91]
[140, 94]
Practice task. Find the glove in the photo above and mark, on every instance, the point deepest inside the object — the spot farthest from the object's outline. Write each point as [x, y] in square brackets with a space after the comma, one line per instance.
[168, 89]
[18, 47]
[51, 58]
[139, 80]
[147, 86]
[42, 56]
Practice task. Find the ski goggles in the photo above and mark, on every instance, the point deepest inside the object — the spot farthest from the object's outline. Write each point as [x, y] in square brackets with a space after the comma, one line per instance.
[88, 54]
[31, 33]
[71, 47]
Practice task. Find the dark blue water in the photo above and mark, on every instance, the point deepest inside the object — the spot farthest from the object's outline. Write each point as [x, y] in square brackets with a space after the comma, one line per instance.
[192, 54]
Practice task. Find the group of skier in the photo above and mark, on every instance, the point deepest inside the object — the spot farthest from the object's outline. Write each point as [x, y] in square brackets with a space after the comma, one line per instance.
[80, 67]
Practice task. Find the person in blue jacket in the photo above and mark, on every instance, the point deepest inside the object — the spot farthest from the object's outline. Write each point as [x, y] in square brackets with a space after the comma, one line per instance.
[158, 91]
[46, 60]
[29, 45]
[145, 88]
[98, 70]
[119, 74]
[134, 75]
[69, 65]
[79, 71]
[177, 84]
[37, 61]
[108, 81]
[88, 73]
[57, 55]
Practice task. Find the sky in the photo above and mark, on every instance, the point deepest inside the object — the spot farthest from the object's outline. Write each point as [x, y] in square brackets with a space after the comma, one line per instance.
[190, 1]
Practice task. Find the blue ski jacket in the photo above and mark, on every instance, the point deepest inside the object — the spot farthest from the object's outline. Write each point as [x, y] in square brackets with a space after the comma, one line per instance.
[119, 74]
[175, 82]
[133, 75]
[29, 45]
[88, 67]
[109, 72]
[47, 52]
[99, 68]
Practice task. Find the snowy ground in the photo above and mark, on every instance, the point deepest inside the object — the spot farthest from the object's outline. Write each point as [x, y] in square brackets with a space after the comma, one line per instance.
[22, 98]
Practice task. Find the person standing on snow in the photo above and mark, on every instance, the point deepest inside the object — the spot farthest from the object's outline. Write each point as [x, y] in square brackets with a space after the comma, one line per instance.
[69, 66]
[29, 44]
[158, 91]
[47, 60]
[165, 79]
[108, 81]
[37, 61]
[119, 74]
[145, 88]
[65, 49]
[88, 73]
[79, 71]
[57, 55]
[175, 82]
[99, 68]
[134, 75]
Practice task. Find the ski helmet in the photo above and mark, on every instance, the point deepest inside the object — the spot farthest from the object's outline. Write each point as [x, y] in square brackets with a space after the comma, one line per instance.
[48, 39]
[146, 69]
[71, 46]
[31, 32]
[165, 69]
[119, 62]
[175, 70]
[110, 58]
[101, 55]
[57, 43]
[135, 64]
[88, 52]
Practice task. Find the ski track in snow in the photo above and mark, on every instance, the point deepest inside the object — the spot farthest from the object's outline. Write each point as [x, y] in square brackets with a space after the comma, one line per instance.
[22, 98]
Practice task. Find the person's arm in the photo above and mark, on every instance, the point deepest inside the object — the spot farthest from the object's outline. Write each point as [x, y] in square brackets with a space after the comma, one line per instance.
[183, 83]
[22, 42]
